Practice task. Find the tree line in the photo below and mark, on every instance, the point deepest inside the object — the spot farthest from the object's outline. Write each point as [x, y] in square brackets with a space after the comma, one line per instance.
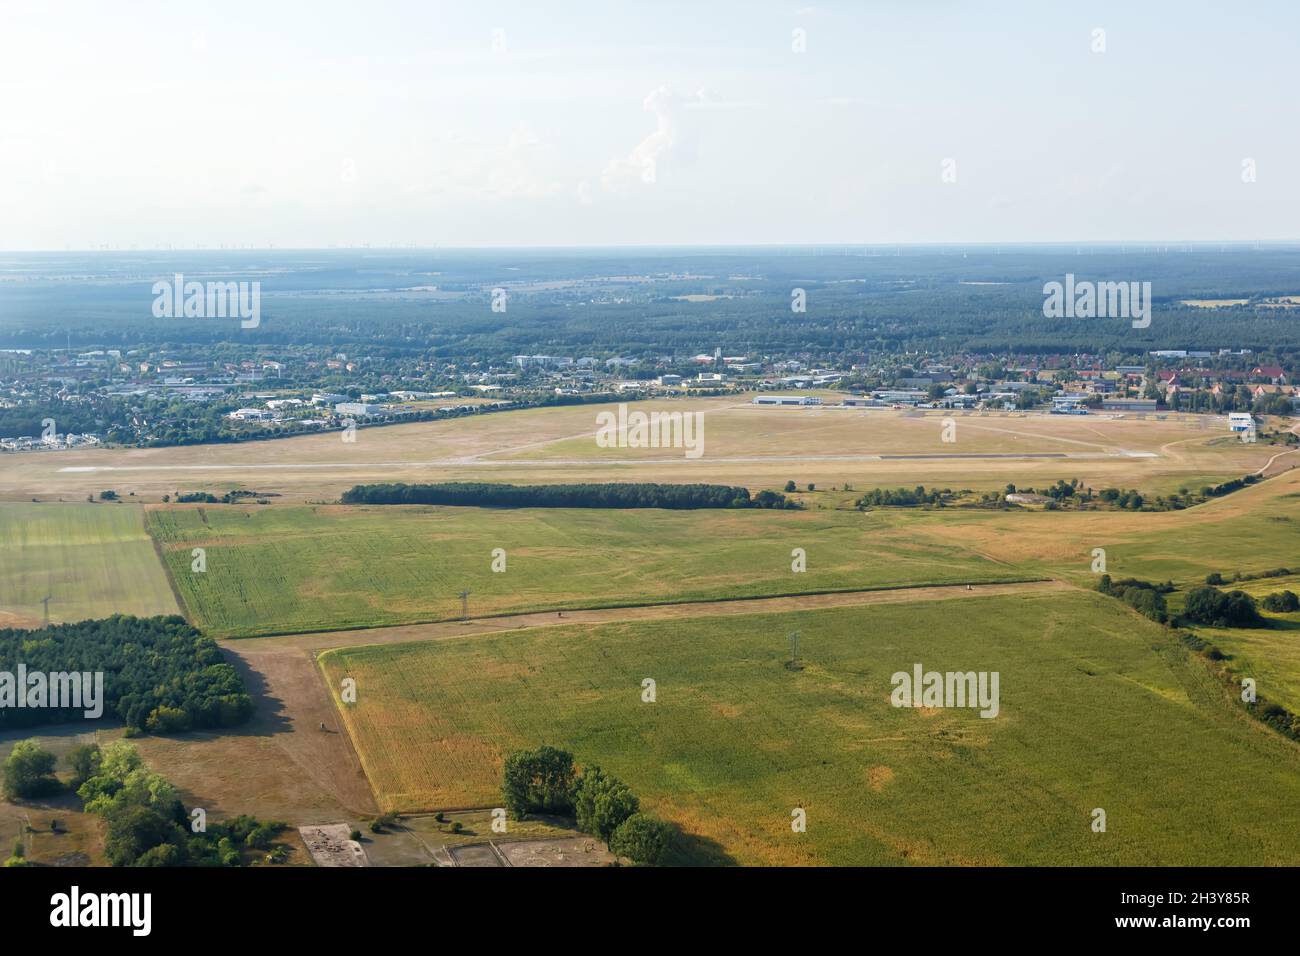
[545, 780]
[602, 495]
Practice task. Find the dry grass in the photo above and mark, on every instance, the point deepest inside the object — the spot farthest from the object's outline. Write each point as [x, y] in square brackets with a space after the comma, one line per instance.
[756, 447]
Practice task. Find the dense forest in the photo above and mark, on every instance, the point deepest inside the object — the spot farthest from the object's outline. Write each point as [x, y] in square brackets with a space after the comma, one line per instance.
[862, 300]
[606, 495]
[160, 674]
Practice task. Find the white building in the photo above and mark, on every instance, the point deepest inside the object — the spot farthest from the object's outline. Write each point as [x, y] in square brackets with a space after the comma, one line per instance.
[787, 400]
[359, 408]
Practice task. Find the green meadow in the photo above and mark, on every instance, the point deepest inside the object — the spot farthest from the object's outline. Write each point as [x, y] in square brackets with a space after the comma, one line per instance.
[1271, 655]
[1099, 709]
[92, 560]
[291, 569]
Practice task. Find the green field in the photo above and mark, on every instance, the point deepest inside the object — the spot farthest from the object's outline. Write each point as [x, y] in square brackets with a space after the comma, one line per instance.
[1271, 655]
[289, 569]
[93, 560]
[1099, 708]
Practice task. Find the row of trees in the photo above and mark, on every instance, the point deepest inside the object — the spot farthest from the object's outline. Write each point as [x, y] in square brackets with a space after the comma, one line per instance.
[1216, 578]
[544, 780]
[160, 674]
[603, 495]
[1073, 494]
[902, 497]
[1281, 602]
[1143, 596]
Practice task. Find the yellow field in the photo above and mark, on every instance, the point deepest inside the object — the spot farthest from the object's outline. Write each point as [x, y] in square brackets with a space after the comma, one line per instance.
[91, 560]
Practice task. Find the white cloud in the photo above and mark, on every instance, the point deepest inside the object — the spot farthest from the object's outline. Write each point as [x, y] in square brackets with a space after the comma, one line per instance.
[642, 166]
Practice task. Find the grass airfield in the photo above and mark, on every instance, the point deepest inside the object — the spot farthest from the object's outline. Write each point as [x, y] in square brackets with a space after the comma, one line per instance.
[743, 444]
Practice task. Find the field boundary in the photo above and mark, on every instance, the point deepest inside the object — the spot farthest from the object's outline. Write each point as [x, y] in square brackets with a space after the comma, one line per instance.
[619, 605]
[181, 607]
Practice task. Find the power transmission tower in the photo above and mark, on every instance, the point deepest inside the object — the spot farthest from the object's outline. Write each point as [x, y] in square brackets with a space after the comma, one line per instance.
[46, 601]
[794, 650]
[464, 605]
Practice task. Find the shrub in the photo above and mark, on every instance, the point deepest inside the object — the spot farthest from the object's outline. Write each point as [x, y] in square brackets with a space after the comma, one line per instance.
[1281, 602]
[278, 854]
[642, 839]
[771, 499]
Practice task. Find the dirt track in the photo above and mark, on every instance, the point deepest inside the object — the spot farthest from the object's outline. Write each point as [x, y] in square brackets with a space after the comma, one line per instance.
[321, 767]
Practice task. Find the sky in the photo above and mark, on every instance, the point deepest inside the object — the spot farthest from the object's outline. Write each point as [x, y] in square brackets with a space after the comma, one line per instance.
[156, 125]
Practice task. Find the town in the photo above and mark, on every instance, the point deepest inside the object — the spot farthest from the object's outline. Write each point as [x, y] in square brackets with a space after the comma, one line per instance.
[149, 397]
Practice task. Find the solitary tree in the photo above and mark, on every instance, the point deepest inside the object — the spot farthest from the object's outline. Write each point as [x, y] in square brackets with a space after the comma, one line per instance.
[29, 771]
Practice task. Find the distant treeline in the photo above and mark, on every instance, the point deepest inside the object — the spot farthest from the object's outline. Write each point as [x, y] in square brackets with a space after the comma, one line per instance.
[604, 495]
[229, 498]
[902, 497]
[160, 674]
[869, 302]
